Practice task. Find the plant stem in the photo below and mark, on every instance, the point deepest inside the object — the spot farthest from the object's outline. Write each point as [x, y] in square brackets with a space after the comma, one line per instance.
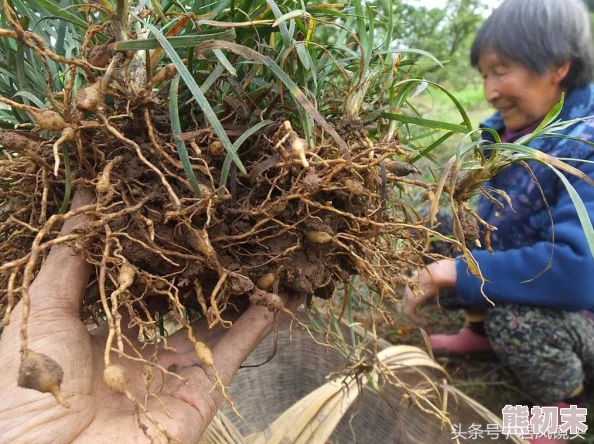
[121, 20]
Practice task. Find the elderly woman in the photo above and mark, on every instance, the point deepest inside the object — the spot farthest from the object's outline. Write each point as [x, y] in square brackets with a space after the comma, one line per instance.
[530, 53]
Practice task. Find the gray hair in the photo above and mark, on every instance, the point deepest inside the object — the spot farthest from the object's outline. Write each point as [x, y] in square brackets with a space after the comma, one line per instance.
[539, 34]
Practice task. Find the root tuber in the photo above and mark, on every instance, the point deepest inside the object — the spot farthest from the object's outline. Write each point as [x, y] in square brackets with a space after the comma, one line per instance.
[116, 378]
[40, 372]
[204, 353]
[49, 120]
[318, 237]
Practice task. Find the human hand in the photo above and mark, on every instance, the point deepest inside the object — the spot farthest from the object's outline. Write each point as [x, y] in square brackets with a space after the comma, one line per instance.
[95, 413]
[431, 279]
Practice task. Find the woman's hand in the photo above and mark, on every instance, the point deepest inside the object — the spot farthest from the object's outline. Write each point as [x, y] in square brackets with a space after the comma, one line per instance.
[431, 279]
[95, 413]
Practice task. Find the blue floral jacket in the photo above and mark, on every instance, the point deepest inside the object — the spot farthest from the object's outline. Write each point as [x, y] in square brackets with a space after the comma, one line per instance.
[523, 242]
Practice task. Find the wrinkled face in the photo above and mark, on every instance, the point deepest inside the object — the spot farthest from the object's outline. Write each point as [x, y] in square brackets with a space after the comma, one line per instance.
[520, 95]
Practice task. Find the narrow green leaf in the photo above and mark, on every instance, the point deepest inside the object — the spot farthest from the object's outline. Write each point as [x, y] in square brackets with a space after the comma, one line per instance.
[176, 131]
[426, 122]
[422, 135]
[552, 115]
[158, 10]
[225, 62]
[31, 97]
[371, 31]
[431, 147]
[580, 208]
[20, 68]
[362, 32]
[390, 24]
[546, 159]
[328, 12]
[196, 6]
[493, 133]
[212, 78]
[177, 42]
[562, 136]
[63, 14]
[236, 145]
[196, 92]
[282, 26]
[301, 53]
[61, 32]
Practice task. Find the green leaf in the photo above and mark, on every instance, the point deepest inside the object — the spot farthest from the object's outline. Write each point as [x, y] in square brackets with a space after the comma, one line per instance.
[60, 40]
[20, 68]
[282, 26]
[552, 115]
[177, 42]
[158, 10]
[212, 78]
[31, 97]
[236, 145]
[176, 131]
[303, 57]
[390, 24]
[426, 122]
[63, 14]
[582, 212]
[225, 62]
[362, 33]
[546, 159]
[209, 114]
[431, 147]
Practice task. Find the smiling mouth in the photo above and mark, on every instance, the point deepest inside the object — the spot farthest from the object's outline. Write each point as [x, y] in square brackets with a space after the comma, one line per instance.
[506, 109]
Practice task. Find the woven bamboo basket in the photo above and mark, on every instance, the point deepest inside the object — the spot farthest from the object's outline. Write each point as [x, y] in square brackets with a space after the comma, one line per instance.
[292, 400]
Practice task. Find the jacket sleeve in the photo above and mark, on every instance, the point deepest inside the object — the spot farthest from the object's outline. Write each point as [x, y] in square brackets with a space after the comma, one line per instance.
[567, 285]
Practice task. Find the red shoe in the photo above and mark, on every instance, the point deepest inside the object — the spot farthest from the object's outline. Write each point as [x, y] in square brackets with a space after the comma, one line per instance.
[464, 342]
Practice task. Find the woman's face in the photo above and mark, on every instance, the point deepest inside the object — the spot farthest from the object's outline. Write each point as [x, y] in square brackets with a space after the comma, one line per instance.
[520, 95]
